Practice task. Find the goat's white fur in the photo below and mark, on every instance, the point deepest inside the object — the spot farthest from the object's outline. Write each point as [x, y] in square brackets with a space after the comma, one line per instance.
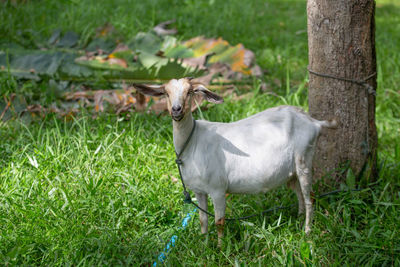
[249, 156]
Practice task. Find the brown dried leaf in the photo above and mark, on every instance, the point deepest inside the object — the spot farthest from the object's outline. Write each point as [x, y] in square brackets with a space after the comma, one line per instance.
[125, 108]
[161, 29]
[215, 69]
[104, 30]
[98, 101]
[248, 58]
[196, 62]
[120, 47]
[160, 105]
[9, 103]
[256, 71]
[117, 61]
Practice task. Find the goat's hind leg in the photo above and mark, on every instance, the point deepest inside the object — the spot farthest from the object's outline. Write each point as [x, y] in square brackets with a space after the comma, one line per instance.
[202, 199]
[295, 186]
[303, 169]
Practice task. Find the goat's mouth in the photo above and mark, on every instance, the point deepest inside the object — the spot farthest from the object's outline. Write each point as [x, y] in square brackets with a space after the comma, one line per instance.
[177, 117]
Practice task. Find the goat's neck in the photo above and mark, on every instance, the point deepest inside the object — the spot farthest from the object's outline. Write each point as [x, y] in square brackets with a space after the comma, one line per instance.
[181, 131]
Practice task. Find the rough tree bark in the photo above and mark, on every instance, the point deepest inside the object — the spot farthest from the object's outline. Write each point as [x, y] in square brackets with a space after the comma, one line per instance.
[341, 41]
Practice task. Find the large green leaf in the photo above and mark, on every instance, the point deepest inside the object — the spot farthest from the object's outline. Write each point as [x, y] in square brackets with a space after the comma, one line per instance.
[104, 44]
[70, 39]
[38, 62]
[31, 64]
[147, 42]
[69, 69]
[174, 69]
[179, 51]
[54, 37]
[173, 49]
[149, 60]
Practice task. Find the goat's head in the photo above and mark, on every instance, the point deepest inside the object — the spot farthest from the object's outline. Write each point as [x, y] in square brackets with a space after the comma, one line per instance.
[179, 95]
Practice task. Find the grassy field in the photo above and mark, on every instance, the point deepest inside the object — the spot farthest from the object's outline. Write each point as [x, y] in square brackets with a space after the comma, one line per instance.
[99, 191]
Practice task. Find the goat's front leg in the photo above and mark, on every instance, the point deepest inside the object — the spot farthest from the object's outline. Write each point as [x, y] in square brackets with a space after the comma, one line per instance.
[202, 199]
[219, 210]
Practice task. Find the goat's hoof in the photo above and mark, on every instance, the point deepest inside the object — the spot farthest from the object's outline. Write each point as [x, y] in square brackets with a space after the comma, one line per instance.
[307, 230]
[206, 237]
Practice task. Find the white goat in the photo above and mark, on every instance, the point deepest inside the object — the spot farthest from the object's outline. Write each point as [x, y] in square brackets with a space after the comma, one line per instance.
[249, 156]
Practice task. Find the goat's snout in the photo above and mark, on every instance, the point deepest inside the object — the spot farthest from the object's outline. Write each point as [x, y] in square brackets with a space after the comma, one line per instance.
[177, 108]
[177, 112]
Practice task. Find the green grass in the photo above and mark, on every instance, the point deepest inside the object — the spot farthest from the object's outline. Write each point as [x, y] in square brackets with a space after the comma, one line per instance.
[98, 191]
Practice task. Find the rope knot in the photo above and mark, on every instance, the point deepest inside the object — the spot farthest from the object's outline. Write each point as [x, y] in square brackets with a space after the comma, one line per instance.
[187, 198]
[179, 161]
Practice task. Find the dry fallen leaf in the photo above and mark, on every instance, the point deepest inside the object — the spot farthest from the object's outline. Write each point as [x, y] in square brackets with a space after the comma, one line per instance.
[239, 59]
[105, 30]
[161, 29]
[117, 61]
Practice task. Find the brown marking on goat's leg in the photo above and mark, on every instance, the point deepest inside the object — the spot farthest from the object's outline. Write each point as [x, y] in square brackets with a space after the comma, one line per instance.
[220, 229]
[203, 229]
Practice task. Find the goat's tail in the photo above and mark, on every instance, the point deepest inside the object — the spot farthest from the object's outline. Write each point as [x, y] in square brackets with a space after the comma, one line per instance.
[331, 124]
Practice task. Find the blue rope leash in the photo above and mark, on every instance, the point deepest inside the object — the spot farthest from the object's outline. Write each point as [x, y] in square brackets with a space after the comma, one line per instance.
[163, 255]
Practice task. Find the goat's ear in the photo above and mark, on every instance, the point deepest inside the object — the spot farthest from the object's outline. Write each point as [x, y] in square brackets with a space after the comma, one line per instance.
[207, 94]
[150, 90]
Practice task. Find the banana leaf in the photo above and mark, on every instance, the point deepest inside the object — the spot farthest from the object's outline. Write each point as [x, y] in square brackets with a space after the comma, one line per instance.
[147, 56]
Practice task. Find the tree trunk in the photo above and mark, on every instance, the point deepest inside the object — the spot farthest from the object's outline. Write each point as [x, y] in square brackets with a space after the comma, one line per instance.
[341, 41]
